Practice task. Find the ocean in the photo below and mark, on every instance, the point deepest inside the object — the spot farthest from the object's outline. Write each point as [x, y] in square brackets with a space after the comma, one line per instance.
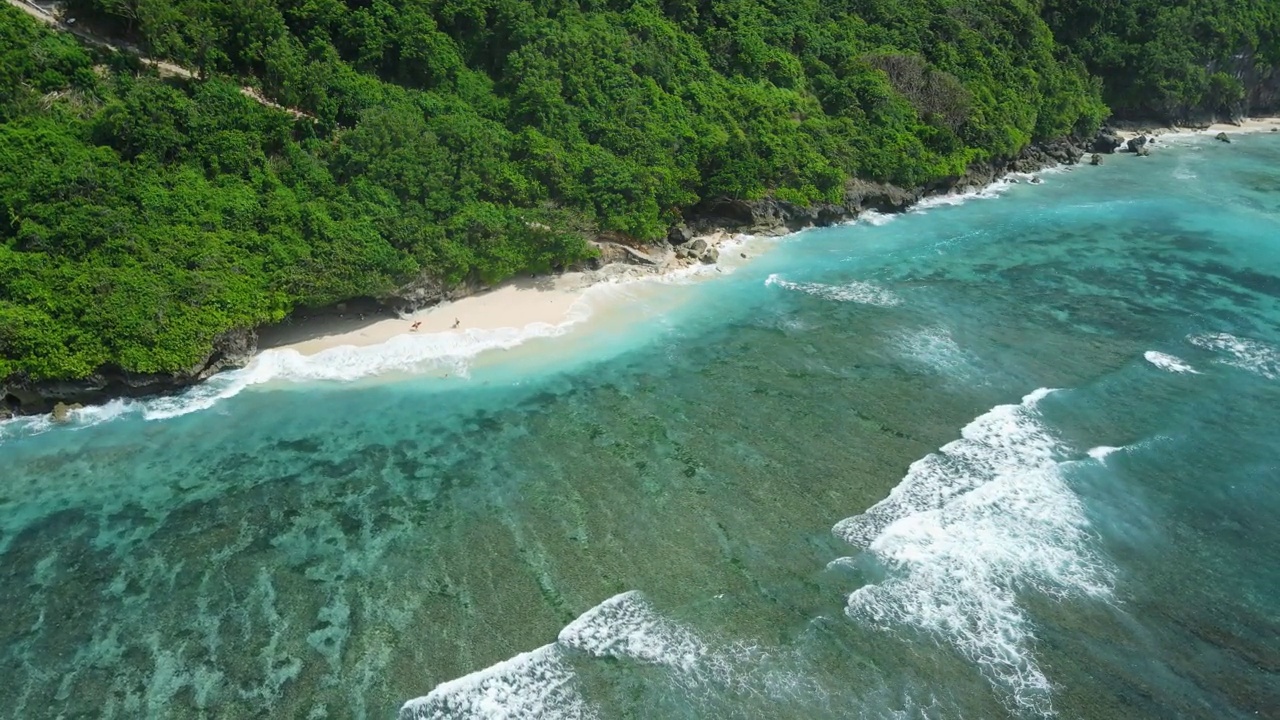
[1012, 454]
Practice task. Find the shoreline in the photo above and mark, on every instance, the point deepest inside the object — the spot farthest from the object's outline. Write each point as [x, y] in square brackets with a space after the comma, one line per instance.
[547, 303]
[1130, 130]
[552, 300]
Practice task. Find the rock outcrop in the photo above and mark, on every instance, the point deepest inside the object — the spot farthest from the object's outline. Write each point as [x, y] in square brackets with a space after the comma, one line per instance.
[62, 411]
[21, 395]
[679, 235]
[1135, 143]
[1222, 137]
[770, 216]
[1106, 141]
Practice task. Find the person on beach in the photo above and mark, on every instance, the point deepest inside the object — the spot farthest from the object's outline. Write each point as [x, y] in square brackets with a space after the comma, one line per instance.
[456, 323]
[414, 327]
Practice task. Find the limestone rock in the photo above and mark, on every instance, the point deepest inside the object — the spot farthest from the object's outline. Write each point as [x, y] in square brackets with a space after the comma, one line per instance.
[1096, 159]
[1143, 151]
[1223, 137]
[698, 247]
[711, 256]
[1135, 143]
[62, 411]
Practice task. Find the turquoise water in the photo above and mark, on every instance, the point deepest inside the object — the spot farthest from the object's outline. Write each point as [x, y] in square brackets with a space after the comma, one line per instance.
[1010, 457]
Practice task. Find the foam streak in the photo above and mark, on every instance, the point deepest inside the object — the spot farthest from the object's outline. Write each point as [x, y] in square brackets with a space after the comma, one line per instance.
[863, 293]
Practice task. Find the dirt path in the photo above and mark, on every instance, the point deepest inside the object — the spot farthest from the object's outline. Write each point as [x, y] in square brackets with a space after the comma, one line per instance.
[49, 16]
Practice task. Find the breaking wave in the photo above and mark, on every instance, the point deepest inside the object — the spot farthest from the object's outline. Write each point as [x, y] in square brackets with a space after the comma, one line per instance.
[1256, 357]
[450, 353]
[862, 293]
[970, 528]
[543, 683]
[1168, 362]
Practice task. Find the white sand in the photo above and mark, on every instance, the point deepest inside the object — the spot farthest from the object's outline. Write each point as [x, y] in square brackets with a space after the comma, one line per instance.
[511, 305]
[1248, 125]
[550, 300]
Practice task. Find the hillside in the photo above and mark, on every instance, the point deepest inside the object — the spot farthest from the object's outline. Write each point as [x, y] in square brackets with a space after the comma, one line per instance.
[1180, 60]
[452, 140]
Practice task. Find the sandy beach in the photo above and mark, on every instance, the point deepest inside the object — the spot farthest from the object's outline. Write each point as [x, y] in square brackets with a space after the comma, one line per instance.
[518, 303]
[1247, 125]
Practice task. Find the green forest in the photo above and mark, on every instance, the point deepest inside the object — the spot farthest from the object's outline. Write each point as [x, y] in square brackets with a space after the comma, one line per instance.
[478, 139]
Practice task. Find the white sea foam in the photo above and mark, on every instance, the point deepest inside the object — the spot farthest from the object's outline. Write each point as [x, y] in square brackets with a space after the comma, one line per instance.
[875, 217]
[967, 530]
[863, 293]
[1168, 362]
[77, 419]
[935, 347]
[1252, 355]
[1101, 452]
[541, 683]
[994, 190]
[626, 626]
[536, 684]
[447, 352]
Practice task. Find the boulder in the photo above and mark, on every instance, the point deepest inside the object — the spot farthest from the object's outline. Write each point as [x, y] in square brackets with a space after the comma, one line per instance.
[698, 247]
[1135, 143]
[1143, 151]
[679, 235]
[62, 411]
[711, 256]
[1223, 137]
[1096, 159]
[1106, 142]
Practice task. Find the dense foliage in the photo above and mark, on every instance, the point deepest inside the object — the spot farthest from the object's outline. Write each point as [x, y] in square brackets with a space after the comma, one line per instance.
[455, 138]
[1172, 59]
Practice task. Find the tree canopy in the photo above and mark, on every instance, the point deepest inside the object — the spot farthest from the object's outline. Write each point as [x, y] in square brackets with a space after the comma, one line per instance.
[1171, 59]
[472, 139]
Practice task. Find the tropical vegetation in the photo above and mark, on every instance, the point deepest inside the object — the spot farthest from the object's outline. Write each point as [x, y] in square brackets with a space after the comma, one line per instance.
[144, 215]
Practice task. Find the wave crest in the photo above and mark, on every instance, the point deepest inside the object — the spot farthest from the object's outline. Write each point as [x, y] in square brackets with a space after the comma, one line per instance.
[1254, 356]
[967, 530]
[1168, 362]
